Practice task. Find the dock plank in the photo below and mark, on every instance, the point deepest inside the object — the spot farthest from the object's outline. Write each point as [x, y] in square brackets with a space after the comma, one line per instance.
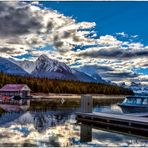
[123, 117]
[138, 114]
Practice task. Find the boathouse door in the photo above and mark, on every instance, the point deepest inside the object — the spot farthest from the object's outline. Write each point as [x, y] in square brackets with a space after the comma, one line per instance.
[24, 93]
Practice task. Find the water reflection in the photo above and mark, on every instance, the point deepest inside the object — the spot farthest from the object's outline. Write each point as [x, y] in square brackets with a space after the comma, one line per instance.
[92, 136]
[58, 127]
[113, 108]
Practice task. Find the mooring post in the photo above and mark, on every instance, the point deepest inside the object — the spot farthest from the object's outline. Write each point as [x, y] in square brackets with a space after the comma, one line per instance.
[86, 104]
[85, 133]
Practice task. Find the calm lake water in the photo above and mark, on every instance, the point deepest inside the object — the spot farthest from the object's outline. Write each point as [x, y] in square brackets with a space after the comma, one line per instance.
[54, 124]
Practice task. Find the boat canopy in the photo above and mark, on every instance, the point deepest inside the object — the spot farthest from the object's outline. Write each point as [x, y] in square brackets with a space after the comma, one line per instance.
[136, 100]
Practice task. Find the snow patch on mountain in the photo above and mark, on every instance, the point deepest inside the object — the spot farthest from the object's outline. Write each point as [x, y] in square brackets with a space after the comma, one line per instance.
[45, 64]
[53, 69]
[28, 66]
[83, 77]
[7, 66]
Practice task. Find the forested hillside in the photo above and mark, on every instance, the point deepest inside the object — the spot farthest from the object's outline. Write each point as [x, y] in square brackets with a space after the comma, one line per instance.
[46, 85]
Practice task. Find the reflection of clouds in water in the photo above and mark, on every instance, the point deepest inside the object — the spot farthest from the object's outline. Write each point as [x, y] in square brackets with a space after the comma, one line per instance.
[59, 129]
[53, 136]
[105, 139]
[63, 135]
[40, 119]
[114, 108]
[115, 139]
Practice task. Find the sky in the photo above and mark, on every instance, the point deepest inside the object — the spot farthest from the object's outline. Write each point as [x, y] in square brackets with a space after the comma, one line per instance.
[107, 38]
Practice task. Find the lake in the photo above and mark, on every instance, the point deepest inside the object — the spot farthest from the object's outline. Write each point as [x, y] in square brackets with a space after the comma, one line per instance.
[53, 124]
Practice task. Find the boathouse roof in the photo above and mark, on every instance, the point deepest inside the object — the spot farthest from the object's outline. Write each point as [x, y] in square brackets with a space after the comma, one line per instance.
[15, 87]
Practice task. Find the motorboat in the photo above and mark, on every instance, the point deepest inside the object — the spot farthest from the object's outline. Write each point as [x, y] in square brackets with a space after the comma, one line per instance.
[134, 104]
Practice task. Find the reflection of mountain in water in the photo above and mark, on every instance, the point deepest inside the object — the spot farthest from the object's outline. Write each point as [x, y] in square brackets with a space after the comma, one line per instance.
[40, 119]
[6, 118]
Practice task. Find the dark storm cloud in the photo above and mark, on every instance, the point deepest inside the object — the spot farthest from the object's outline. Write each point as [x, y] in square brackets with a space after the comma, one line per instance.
[58, 44]
[116, 76]
[16, 20]
[115, 53]
[6, 50]
[93, 69]
[97, 68]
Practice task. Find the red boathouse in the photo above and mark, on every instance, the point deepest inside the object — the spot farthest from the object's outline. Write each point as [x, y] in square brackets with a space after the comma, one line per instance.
[21, 90]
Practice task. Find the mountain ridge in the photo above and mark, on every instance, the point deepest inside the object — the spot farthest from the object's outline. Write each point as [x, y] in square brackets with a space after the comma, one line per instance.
[53, 69]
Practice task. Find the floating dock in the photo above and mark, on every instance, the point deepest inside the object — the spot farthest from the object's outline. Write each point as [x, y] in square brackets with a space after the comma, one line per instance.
[129, 123]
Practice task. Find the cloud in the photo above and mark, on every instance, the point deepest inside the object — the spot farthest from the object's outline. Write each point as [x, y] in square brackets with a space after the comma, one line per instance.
[95, 68]
[121, 75]
[123, 34]
[16, 20]
[35, 27]
[25, 28]
[113, 53]
[110, 47]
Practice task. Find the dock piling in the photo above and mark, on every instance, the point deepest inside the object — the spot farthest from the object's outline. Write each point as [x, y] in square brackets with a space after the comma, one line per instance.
[86, 104]
[86, 133]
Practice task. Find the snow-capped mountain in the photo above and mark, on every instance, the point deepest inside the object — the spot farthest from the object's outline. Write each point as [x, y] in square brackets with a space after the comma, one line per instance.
[123, 84]
[45, 64]
[46, 67]
[139, 88]
[53, 69]
[28, 66]
[81, 76]
[7, 66]
[98, 78]
[49, 68]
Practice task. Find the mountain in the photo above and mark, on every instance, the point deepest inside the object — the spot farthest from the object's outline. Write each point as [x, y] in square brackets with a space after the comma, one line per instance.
[43, 63]
[81, 76]
[98, 78]
[28, 66]
[7, 66]
[122, 84]
[53, 69]
[46, 67]
[138, 88]
[50, 68]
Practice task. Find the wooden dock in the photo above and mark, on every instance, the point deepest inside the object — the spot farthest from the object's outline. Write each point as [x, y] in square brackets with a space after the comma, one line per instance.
[126, 123]
[139, 114]
[136, 124]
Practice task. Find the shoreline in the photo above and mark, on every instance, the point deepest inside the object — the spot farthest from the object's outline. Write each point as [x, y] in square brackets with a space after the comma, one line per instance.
[74, 96]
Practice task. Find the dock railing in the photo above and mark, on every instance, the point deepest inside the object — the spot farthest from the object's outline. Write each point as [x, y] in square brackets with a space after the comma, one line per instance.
[136, 125]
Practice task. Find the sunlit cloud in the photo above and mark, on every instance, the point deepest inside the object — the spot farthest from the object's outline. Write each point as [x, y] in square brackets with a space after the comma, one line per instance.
[29, 28]
[34, 27]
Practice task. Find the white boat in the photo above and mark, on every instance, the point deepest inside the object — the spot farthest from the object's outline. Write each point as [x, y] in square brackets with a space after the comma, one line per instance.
[134, 104]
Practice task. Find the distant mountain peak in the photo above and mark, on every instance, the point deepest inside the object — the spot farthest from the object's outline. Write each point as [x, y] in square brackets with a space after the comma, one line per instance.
[8, 66]
[43, 56]
[45, 64]
[50, 68]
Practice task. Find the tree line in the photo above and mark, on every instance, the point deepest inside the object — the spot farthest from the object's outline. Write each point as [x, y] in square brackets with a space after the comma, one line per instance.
[46, 85]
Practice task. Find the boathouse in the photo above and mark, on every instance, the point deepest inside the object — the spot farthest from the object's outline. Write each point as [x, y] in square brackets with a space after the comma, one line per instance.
[21, 90]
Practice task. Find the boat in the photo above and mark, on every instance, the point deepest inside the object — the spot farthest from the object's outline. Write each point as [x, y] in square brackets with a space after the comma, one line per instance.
[134, 104]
